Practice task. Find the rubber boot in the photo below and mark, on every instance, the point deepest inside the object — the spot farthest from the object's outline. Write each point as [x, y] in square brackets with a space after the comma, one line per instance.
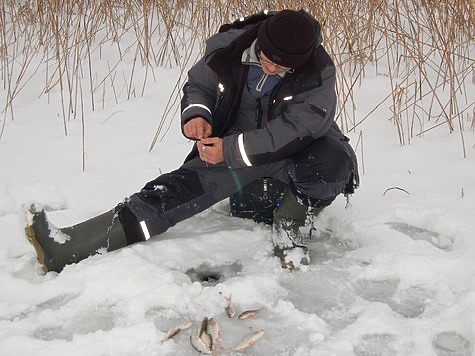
[291, 219]
[58, 247]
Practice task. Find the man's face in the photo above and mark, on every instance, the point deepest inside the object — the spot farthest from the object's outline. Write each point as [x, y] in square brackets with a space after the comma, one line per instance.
[269, 67]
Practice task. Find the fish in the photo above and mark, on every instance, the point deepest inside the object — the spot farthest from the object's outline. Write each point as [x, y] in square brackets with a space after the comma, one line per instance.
[213, 330]
[199, 345]
[172, 332]
[249, 340]
[203, 333]
[203, 325]
[250, 313]
[230, 308]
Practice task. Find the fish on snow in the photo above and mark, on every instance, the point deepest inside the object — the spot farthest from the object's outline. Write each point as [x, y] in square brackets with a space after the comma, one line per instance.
[213, 330]
[172, 332]
[230, 308]
[250, 313]
[199, 345]
[249, 340]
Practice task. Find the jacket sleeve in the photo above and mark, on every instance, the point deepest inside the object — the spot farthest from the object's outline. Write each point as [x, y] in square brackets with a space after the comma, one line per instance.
[199, 93]
[202, 90]
[300, 120]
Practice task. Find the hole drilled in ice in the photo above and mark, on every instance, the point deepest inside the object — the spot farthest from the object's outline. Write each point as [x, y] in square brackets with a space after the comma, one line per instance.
[451, 343]
[416, 233]
[209, 275]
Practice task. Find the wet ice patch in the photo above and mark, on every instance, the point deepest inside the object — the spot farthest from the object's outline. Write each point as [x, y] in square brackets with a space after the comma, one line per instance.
[21, 311]
[327, 294]
[49, 333]
[409, 302]
[324, 246]
[376, 345]
[417, 233]
[209, 275]
[451, 343]
[57, 302]
[164, 318]
[84, 323]
[376, 290]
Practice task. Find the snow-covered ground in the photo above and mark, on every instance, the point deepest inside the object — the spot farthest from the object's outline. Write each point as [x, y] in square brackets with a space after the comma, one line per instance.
[392, 274]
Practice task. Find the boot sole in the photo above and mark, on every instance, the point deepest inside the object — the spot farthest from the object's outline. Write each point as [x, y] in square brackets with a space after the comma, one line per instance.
[280, 254]
[291, 266]
[40, 254]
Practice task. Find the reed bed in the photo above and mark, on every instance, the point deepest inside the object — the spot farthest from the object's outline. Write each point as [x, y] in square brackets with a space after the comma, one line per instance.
[90, 54]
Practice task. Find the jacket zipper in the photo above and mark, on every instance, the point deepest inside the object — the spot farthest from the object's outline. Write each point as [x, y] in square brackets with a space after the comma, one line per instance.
[259, 113]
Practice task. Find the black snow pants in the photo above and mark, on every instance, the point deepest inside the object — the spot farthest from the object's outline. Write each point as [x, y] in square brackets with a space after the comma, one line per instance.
[318, 174]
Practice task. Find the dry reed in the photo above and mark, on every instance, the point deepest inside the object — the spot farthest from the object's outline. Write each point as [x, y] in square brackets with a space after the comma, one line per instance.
[424, 47]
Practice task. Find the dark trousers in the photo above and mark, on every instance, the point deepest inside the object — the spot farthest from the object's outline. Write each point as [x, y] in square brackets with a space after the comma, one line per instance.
[318, 174]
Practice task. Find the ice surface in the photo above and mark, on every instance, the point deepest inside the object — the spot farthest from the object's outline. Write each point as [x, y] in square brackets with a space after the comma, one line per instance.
[376, 345]
[451, 343]
[88, 321]
[327, 246]
[409, 303]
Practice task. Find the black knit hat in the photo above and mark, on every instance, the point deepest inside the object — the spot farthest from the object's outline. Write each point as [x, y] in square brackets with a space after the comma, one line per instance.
[287, 38]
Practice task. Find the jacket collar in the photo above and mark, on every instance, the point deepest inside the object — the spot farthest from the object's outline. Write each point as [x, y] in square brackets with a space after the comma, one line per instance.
[250, 57]
[228, 58]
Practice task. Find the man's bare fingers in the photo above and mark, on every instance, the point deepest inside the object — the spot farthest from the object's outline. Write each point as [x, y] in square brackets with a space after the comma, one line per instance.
[197, 128]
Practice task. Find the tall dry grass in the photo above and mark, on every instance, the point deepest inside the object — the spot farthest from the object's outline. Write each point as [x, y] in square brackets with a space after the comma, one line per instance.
[91, 53]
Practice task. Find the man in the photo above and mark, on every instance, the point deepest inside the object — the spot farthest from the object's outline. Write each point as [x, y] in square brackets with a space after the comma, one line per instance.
[260, 103]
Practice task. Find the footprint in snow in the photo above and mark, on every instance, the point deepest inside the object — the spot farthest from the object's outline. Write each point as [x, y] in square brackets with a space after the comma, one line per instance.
[409, 302]
[417, 233]
[54, 303]
[451, 343]
[84, 323]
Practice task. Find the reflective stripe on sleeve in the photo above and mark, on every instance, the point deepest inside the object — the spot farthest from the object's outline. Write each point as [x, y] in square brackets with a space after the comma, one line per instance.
[196, 105]
[243, 152]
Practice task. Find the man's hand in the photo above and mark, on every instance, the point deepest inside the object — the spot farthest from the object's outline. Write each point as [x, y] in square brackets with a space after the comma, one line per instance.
[211, 150]
[197, 128]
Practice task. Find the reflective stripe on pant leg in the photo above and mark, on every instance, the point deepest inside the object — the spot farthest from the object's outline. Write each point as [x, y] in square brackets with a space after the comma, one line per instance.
[187, 191]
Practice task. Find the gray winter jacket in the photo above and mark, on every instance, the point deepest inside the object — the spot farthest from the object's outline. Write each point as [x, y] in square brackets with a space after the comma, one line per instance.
[301, 107]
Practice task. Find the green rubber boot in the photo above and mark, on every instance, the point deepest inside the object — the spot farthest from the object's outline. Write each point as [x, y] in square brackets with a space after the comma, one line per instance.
[291, 219]
[58, 247]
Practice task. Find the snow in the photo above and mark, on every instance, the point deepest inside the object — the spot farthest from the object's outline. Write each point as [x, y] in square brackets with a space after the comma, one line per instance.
[391, 274]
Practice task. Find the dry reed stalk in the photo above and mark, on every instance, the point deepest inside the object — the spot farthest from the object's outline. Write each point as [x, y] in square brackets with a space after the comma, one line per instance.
[425, 48]
[359, 143]
[83, 133]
